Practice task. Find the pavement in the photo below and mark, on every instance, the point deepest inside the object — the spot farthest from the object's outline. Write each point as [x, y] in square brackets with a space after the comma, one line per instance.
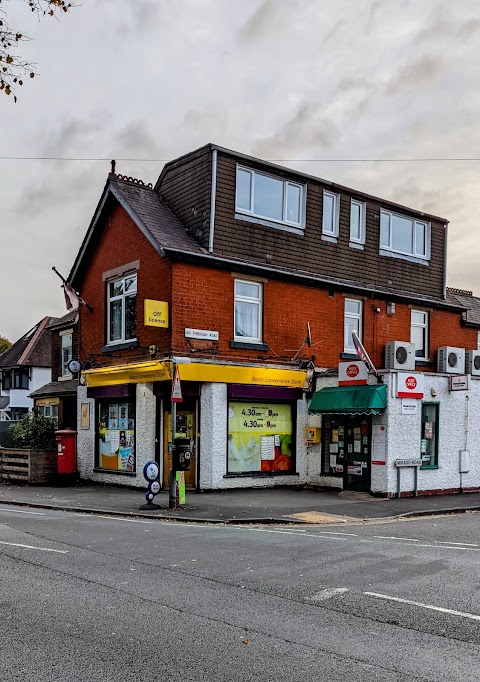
[275, 505]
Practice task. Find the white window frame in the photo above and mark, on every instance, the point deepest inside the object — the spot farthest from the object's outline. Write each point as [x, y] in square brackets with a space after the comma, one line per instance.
[248, 299]
[414, 254]
[423, 325]
[352, 316]
[336, 215]
[116, 298]
[286, 184]
[361, 205]
[66, 374]
[478, 340]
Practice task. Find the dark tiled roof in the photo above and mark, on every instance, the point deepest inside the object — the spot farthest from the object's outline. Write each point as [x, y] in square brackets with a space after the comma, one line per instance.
[56, 388]
[468, 301]
[32, 350]
[159, 220]
[69, 318]
[4, 401]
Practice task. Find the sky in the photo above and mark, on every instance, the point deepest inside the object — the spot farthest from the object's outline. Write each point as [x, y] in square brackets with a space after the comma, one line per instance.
[369, 94]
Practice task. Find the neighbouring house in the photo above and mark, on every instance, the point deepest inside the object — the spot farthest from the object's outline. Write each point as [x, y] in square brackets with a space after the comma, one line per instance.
[24, 367]
[58, 398]
[249, 279]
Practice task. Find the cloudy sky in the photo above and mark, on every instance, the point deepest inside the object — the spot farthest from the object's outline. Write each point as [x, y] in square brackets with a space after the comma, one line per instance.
[367, 93]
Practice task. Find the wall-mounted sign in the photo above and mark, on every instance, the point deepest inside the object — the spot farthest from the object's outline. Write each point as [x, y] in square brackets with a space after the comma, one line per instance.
[410, 385]
[461, 382]
[408, 462]
[409, 406]
[379, 444]
[155, 313]
[206, 334]
[352, 373]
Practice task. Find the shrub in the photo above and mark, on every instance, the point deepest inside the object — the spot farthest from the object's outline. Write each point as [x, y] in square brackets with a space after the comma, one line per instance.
[34, 431]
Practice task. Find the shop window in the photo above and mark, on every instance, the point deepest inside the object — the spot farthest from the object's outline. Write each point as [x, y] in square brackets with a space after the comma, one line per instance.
[248, 311]
[260, 438]
[122, 309]
[116, 435]
[352, 322]
[429, 436]
[419, 333]
[66, 353]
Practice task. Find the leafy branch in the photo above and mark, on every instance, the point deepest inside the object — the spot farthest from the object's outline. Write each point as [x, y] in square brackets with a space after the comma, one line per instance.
[13, 67]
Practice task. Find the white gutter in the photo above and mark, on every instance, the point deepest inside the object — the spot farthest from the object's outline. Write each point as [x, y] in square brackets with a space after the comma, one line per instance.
[212, 201]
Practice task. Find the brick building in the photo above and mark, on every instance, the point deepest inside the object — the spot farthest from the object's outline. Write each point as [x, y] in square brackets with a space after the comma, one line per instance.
[250, 278]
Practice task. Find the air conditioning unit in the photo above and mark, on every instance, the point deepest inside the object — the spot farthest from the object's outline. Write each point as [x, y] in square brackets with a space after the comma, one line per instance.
[451, 360]
[472, 362]
[400, 355]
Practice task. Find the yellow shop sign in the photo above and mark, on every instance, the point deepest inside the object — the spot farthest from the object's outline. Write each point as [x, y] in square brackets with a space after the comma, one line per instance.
[139, 373]
[242, 374]
[155, 313]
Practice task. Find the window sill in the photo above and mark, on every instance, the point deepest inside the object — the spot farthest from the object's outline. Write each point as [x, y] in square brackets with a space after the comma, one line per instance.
[249, 345]
[356, 245]
[404, 256]
[114, 471]
[346, 355]
[329, 238]
[429, 466]
[125, 345]
[260, 474]
[270, 223]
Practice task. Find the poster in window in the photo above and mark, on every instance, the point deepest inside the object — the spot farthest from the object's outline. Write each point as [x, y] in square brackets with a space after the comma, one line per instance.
[428, 430]
[113, 417]
[123, 416]
[248, 424]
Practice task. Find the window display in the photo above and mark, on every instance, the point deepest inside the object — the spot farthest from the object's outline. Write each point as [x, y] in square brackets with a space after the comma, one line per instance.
[116, 435]
[260, 437]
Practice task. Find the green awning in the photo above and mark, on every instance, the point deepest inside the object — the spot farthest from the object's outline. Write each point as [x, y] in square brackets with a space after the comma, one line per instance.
[350, 400]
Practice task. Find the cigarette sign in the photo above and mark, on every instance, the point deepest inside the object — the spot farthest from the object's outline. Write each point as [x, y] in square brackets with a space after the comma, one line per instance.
[410, 385]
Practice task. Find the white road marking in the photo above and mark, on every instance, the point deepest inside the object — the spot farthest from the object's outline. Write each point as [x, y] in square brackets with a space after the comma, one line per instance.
[20, 511]
[465, 544]
[328, 593]
[332, 532]
[463, 614]
[392, 537]
[289, 532]
[119, 518]
[40, 549]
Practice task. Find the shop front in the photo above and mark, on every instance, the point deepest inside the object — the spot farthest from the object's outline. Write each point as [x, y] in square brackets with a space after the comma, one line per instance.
[242, 422]
[347, 428]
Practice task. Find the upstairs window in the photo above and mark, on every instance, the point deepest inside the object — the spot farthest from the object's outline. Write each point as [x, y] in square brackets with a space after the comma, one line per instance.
[6, 380]
[357, 222]
[66, 352]
[122, 309]
[21, 378]
[404, 236]
[331, 214]
[268, 197]
[352, 322]
[248, 311]
[419, 333]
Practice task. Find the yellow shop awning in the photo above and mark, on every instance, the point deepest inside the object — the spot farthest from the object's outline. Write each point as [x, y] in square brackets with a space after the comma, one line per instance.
[139, 373]
[145, 372]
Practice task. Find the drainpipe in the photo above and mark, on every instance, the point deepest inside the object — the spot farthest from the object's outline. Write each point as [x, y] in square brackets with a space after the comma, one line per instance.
[212, 201]
[445, 247]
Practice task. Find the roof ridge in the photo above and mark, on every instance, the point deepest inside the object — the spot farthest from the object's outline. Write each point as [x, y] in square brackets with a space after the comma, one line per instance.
[129, 180]
[31, 344]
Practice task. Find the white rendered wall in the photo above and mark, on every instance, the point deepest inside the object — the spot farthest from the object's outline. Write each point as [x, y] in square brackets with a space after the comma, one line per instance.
[39, 377]
[144, 439]
[404, 435]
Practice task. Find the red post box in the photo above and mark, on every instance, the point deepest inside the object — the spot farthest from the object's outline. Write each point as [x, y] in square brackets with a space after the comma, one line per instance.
[67, 451]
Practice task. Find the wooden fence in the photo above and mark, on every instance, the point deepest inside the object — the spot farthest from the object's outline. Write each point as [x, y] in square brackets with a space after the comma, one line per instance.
[27, 466]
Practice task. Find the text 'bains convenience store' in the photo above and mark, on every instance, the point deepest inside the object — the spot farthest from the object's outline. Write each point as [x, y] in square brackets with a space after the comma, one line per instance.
[246, 424]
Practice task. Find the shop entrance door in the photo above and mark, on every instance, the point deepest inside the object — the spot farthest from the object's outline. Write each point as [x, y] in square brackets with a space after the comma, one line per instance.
[358, 438]
[186, 428]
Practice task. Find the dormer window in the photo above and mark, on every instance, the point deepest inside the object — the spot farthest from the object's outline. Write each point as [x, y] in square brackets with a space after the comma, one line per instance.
[269, 198]
[404, 237]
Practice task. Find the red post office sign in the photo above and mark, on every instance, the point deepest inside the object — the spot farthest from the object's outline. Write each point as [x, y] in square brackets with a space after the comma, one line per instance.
[353, 373]
[410, 385]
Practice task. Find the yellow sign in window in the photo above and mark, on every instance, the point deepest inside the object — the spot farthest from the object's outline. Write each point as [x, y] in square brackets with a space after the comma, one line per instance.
[155, 313]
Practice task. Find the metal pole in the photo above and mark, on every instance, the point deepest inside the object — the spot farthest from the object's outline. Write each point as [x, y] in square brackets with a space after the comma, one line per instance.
[172, 492]
[398, 482]
[415, 491]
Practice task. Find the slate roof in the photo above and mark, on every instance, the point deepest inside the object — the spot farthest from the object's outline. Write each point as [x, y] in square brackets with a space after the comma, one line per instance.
[163, 225]
[56, 388]
[70, 318]
[467, 300]
[32, 350]
[4, 402]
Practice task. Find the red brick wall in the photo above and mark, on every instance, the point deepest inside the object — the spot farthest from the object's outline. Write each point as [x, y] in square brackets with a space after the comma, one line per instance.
[204, 299]
[122, 242]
